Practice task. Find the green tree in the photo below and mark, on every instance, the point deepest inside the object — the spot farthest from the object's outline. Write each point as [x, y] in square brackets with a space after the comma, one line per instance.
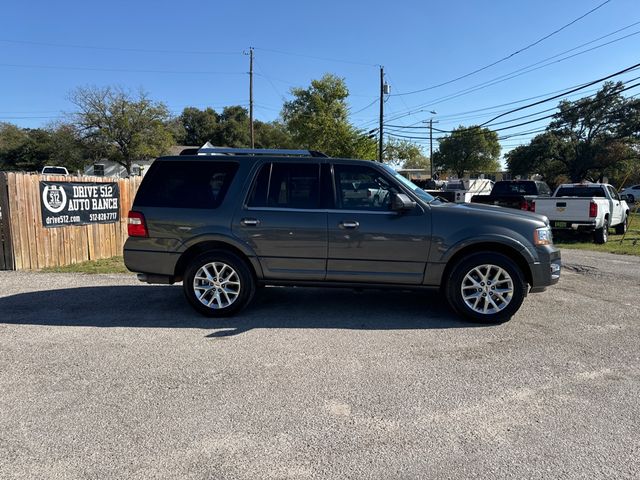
[588, 138]
[123, 127]
[234, 128]
[198, 126]
[317, 119]
[472, 149]
[405, 153]
[67, 148]
[272, 135]
[12, 142]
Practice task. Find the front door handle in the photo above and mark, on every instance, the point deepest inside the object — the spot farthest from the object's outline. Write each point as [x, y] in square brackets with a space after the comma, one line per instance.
[349, 225]
[250, 222]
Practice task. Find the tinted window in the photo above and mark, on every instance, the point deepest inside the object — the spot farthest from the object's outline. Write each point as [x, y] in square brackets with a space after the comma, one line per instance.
[581, 192]
[362, 188]
[514, 188]
[186, 184]
[55, 170]
[287, 185]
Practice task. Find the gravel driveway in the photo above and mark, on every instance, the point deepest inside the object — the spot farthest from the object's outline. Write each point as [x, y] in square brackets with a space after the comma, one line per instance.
[103, 377]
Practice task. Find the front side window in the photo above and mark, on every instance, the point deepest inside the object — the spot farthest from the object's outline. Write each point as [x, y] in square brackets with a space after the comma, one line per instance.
[287, 185]
[362, 188]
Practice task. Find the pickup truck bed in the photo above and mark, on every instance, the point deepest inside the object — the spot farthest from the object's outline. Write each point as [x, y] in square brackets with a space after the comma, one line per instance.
[518, 194]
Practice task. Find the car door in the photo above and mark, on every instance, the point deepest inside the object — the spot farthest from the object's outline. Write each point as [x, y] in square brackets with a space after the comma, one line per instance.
[283, 222]
[369, 242]
[616, 206]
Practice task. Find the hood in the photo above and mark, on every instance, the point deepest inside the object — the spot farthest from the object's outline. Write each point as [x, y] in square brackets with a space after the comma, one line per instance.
[492, 210]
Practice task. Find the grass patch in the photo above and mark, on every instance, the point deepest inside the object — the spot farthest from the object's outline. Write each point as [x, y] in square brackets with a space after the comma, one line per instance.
[630, 245]
[106, 265]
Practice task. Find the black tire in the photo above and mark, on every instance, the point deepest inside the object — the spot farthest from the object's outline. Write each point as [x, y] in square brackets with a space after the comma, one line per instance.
[621, 228]
[504, 309]
[601, 235]
[215, 291]
[631, 198]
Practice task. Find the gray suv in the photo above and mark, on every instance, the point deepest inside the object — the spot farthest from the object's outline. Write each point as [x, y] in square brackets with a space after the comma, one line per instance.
[226, 221]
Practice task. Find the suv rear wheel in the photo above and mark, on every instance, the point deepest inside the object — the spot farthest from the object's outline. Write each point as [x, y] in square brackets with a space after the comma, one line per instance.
[486, 287]
[218, 284]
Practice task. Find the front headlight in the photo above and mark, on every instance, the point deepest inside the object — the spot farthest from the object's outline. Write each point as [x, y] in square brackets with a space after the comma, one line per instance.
[542, 236]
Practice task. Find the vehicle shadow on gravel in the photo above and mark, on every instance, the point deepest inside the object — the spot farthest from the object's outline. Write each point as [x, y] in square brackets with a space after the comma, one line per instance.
[273, 307]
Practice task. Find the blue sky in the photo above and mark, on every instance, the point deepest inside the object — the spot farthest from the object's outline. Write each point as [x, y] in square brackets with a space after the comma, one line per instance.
[155, 45]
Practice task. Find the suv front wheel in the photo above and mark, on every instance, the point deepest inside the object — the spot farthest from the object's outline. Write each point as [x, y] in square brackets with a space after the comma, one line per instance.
[218, 284]
[486, 287]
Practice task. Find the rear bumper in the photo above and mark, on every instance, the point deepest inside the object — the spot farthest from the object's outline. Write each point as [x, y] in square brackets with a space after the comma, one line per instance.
[573, 225]
[546, 271]
[155, 264]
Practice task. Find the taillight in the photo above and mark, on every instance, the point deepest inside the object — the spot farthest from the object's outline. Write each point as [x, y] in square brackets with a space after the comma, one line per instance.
[136, 225]
[528, 206]
[593, 210]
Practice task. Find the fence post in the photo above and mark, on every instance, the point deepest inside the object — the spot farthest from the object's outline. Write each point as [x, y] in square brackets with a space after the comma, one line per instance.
[6, 249]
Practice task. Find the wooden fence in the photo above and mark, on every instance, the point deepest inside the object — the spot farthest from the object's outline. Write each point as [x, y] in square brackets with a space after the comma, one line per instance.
[25, 244]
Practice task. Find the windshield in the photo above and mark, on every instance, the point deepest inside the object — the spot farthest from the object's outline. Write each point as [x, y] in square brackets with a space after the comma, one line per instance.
[55, 170]
[580, 192]
[424, 196]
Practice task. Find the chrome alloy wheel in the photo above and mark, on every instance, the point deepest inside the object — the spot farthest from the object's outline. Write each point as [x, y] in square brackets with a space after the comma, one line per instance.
[487, 289]
[216, 285]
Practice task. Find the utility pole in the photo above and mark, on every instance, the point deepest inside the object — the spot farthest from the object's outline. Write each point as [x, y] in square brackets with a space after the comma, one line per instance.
[380, 146]
[432, 112]
[251, 96]
[431, 148]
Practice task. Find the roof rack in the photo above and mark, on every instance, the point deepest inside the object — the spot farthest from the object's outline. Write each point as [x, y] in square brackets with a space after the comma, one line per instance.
[258, 151]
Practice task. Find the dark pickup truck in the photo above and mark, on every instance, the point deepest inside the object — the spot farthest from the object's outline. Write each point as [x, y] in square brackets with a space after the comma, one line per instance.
[519, 194]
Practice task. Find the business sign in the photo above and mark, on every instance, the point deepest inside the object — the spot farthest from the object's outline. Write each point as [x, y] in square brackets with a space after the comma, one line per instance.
[79, 203]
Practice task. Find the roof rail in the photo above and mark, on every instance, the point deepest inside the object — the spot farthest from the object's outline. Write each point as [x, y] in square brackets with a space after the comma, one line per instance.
[258, 151]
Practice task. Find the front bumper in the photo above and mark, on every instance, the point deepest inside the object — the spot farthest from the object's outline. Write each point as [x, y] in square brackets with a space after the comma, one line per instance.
[546, 271]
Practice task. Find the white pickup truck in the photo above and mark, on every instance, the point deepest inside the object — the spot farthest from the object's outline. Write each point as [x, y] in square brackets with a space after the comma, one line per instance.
[592, 207]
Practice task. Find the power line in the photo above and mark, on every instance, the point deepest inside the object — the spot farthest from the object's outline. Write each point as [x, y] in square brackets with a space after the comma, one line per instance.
[511, 54]
[548, 99]
[282, 97]
[326, 59]
[118, 49]
[564, 93]
[517, 118]
[523, 71]
[364, 108]
[99, 69]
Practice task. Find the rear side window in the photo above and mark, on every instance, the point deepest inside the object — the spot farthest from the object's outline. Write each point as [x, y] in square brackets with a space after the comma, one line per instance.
[186, 184]
[287, 185]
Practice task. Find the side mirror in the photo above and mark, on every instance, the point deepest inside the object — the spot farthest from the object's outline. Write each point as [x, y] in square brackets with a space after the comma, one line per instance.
[625, 198]
[402, 203]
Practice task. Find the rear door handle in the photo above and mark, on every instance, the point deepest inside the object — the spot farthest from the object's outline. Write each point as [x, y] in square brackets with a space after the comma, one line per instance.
[250, 222]
[349, 225]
